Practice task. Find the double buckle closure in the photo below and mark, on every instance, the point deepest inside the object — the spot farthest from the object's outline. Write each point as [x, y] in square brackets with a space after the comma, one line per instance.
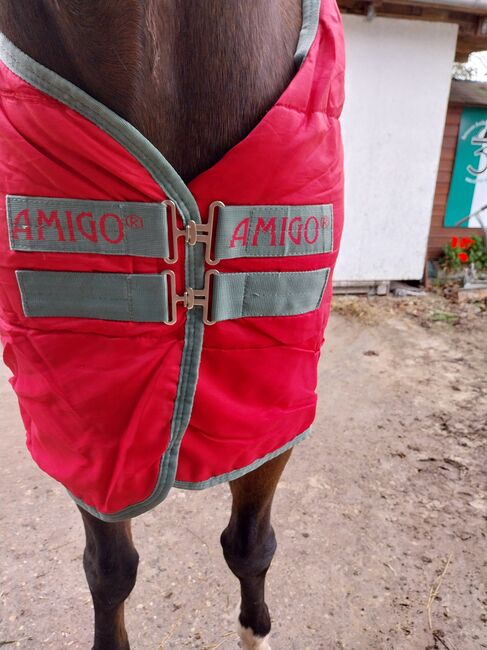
[191, 297]
[193, 233]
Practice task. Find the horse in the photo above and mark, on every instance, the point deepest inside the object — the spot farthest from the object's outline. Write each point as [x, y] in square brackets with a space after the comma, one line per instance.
[160, 64]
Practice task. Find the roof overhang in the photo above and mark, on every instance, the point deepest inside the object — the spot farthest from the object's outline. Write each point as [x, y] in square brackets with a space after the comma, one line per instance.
[469, 15]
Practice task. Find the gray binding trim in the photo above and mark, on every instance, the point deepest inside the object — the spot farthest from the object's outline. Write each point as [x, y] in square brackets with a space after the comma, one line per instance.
[311, 18]
[273, 230]
[237, 295]
[237, 473]
[138, 297]
[79, 226]
[174, 187]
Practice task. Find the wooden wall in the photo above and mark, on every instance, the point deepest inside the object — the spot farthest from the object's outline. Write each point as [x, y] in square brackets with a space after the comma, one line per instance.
[439, 236]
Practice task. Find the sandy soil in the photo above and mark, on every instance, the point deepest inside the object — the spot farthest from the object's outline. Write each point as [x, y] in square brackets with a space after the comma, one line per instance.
[381, 509]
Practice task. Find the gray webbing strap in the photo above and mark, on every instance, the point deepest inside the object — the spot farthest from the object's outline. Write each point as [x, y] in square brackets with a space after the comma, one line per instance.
[78, 226]
[111, 296]
[267, 294]
[273, 230]
[144, 297]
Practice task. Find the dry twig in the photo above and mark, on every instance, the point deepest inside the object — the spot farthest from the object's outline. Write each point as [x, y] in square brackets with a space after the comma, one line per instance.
[220, 643]
[174, 627]
[435, 589]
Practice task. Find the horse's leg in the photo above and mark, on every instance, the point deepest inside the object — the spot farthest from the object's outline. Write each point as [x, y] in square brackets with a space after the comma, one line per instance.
[110, 562]
[249, 544]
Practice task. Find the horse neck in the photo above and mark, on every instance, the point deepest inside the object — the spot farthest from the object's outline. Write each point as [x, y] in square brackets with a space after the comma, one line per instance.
[194, 77]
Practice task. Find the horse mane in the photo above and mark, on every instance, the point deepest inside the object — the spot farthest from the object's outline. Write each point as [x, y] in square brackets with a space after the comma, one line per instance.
[194, 77]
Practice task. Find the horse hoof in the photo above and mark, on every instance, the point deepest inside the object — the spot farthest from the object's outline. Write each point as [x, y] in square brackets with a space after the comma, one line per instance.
[249, 641]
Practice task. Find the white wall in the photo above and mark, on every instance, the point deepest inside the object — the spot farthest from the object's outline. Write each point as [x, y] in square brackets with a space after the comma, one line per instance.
[398, 81]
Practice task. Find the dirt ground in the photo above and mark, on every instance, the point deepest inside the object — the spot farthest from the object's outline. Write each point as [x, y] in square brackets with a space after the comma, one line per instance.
[380, 516]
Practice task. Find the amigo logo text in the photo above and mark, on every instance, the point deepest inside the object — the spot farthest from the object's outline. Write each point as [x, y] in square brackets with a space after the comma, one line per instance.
[67, 226]
[278, 231]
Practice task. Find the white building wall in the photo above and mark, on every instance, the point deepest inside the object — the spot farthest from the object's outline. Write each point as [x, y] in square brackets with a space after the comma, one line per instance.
[397, 87]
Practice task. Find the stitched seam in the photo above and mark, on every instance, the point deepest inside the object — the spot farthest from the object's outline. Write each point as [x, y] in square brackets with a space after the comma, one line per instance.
[128, 291]
[25, 302]
[325, 268]
[23, 247]
[305, 111]
[121, 205]
[244, 296]
[48, 101]
[282, 253]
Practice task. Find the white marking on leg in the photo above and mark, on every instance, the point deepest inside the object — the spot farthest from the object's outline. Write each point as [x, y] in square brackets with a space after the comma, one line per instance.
[252, 642]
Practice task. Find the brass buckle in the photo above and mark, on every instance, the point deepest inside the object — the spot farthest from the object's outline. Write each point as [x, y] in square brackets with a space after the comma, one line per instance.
[194, 232]
[203, 232]
[191, 297]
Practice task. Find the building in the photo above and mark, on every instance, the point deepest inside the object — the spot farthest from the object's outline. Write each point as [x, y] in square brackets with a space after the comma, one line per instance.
[465, 97]
[399, 60]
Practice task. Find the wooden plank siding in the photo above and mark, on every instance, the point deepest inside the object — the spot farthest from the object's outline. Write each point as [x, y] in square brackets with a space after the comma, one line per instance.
[439, 236]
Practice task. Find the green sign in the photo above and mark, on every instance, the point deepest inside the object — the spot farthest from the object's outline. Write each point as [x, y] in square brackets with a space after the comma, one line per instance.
[468, 189]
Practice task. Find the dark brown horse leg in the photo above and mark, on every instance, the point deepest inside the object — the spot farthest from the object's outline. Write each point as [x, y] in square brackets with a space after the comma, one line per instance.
[249, 544]
[110, 562]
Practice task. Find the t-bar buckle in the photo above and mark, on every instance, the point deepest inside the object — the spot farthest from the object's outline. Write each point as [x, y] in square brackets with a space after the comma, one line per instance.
[191, 297]
[193, 232]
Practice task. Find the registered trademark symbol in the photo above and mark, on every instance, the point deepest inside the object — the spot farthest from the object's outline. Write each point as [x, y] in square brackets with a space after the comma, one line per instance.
[134, 221]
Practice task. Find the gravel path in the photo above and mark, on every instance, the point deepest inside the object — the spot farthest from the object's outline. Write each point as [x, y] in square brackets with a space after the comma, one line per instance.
[384, 506]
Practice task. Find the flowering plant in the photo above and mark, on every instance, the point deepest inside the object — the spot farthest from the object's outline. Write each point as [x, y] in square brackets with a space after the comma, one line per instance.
[461, 251]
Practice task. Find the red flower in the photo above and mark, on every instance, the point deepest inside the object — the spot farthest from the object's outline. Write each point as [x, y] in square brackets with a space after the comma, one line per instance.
[466, 242]
[454, 242]
[463, 257]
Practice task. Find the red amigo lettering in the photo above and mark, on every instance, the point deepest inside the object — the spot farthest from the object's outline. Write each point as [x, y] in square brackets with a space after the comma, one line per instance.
[79, 222]
[306, 230]
[104, 233]
[53, 219]
[282, 236]
[133, 221]
[26, 228]
[265, 227]
[295, 237]
[69, 220]
[244, 226]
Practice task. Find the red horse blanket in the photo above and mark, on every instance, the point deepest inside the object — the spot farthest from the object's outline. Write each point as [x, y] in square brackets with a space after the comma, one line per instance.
[159, 333]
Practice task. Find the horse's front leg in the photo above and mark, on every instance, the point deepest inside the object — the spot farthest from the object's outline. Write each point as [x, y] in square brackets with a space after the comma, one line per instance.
[249, 545]
[110, 562]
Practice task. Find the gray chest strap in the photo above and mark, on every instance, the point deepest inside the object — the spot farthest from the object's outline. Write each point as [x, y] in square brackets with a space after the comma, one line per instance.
[38, 224]
[273, 231]
[75, 226]
[151, 297]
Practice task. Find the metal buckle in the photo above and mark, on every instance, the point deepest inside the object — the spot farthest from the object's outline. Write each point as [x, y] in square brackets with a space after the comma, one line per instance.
[191, 297]
[203, 232]
[194, 232]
